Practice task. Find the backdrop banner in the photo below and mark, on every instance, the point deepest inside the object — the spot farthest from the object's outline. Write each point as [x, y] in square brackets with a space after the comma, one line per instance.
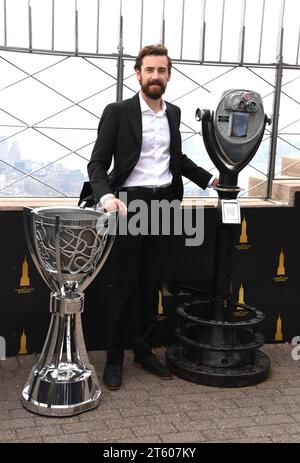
[265, 275]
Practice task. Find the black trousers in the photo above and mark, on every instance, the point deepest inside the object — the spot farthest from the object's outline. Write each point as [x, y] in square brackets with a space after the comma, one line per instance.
[138, 267]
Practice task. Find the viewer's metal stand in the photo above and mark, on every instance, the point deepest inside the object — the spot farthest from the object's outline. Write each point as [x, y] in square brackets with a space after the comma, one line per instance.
[215, 348]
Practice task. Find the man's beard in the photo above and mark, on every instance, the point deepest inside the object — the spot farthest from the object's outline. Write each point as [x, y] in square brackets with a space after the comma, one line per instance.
[151, 93]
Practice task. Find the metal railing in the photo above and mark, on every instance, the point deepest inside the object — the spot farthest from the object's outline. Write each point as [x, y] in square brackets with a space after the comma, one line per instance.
[201, 45]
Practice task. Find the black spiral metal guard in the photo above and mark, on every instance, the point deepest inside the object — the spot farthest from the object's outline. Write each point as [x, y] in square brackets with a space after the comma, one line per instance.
[200, 357]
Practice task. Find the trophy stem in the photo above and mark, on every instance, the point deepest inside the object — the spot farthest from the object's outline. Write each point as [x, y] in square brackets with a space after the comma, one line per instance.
[63, 382]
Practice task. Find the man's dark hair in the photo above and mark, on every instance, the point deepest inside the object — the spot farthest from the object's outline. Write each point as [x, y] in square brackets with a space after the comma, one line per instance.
[157, 50]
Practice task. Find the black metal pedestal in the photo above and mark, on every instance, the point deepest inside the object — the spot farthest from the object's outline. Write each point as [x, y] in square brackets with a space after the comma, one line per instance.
[218, 339]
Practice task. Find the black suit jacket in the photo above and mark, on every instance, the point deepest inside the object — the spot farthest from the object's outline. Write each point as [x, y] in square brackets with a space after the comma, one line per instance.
[120, 138]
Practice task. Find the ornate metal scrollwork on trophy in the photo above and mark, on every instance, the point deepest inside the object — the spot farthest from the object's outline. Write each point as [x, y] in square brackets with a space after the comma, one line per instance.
[68, 246]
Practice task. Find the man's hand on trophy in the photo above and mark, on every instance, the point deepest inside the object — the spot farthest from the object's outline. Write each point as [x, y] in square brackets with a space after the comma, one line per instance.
[114, 204]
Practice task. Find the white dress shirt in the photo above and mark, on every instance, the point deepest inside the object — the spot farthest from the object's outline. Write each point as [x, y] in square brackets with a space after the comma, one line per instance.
[153, 166]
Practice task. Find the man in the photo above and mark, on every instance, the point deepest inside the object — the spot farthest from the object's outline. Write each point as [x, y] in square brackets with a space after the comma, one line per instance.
[142, 137]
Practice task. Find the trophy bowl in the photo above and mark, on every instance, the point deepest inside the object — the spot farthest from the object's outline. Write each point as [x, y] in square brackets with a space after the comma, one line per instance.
[69, 246]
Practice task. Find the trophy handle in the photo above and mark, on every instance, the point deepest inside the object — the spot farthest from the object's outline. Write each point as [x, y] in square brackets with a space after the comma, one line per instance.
[30, 234]
[57, 255]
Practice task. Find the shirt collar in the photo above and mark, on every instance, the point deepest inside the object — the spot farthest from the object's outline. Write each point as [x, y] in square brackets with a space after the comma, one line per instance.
[145, 107]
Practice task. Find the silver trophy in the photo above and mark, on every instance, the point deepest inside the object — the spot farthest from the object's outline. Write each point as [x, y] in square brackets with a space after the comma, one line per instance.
[68, 246]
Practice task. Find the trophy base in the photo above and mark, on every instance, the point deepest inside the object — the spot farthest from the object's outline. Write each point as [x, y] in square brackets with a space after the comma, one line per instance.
[64, 391]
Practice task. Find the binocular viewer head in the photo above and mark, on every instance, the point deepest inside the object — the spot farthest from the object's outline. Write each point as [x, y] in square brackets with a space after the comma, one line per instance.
[233, 133]
[241, 100]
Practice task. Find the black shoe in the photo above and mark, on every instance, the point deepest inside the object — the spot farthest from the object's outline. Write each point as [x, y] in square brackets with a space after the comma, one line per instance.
[153, 365]
[112, 376]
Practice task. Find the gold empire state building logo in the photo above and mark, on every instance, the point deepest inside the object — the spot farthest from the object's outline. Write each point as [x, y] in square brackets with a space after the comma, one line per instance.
[239, 310]
[278, 334]
[241, 295]
[281, 271]
[243, 236]
[23, 344]
[24, 287]
[25, 281]
[243, 243]
[160, 309]
[281, 267]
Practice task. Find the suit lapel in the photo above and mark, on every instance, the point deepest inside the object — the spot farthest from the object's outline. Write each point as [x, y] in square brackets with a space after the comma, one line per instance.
[135, 117]
[174, 131]
[171, 116]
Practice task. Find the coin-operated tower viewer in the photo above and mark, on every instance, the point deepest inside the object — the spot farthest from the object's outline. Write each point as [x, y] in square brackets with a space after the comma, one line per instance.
[215, 348]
